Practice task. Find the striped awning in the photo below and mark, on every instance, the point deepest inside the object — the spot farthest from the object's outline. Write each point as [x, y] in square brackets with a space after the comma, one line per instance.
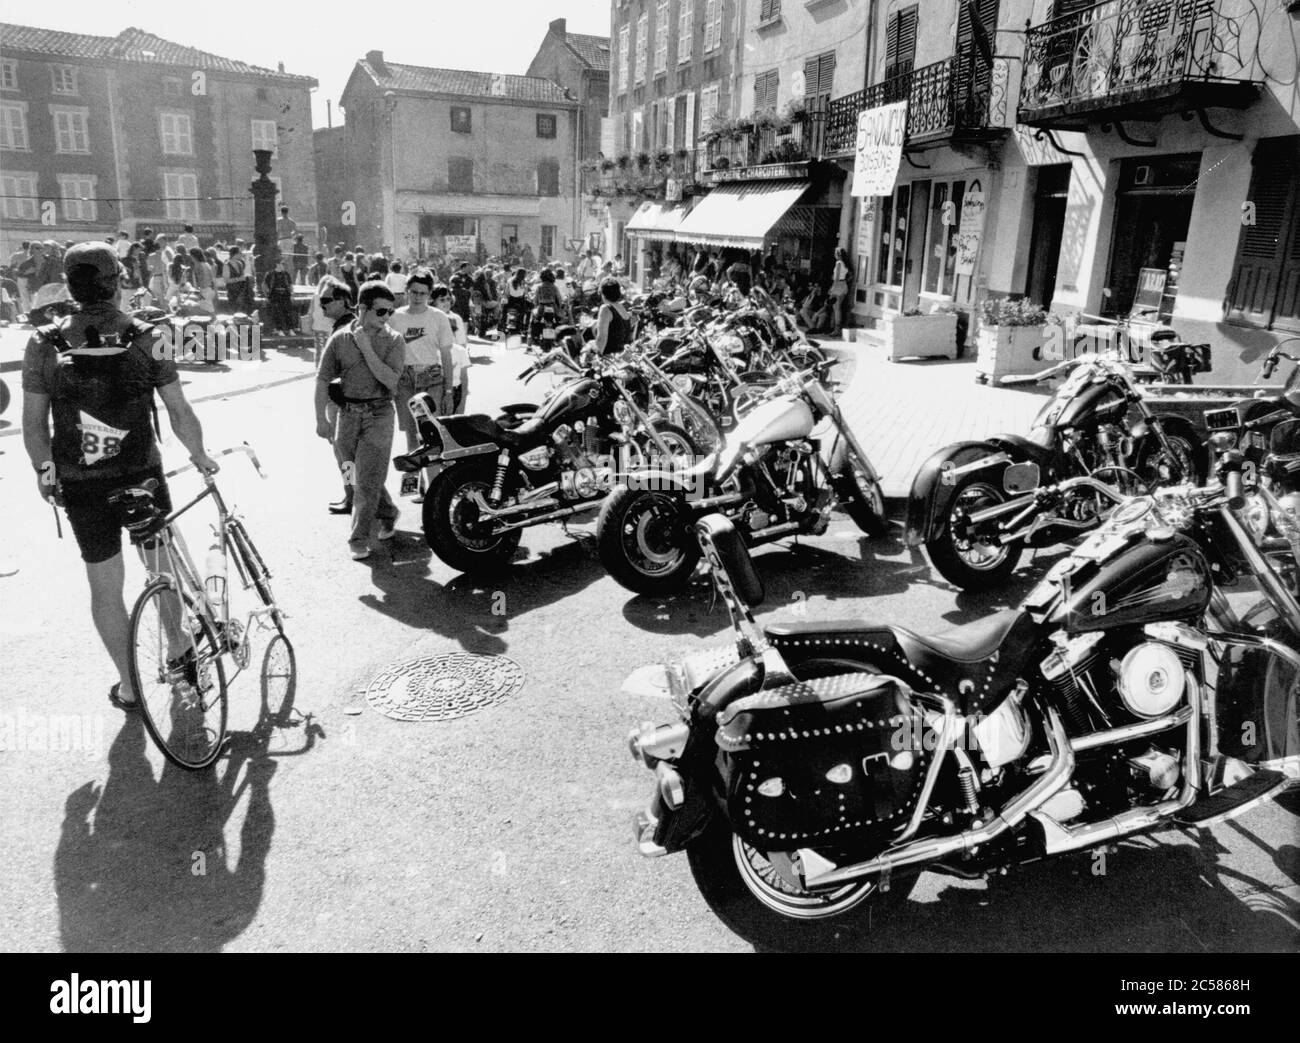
[739, 213]
[657, 221]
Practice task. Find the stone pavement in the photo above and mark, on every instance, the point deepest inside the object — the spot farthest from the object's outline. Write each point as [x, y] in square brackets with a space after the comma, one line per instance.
[902, 412]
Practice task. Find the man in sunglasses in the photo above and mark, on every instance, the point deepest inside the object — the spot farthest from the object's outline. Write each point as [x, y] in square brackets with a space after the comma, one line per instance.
[368, 358]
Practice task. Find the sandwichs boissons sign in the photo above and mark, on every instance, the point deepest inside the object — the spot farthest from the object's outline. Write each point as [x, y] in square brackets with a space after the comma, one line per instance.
[879, 150]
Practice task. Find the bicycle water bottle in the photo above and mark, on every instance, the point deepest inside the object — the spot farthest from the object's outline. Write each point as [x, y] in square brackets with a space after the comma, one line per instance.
[214, 582]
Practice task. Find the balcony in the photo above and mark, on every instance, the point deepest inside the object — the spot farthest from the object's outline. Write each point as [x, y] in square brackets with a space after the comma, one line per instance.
[642, 175]
[1131, 59]
[775, 148]
[958, 99]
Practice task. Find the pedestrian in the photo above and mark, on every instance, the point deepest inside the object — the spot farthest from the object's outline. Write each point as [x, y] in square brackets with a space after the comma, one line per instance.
[336, 262]
[462, 287]
[282, 316]
[299, 260]
[286, 229]
[378, 268]
[318, 270]
[368, 357]
[187, 240]
[459, 363]
[204, 279]
[840, 276]
[239, 290]
[613, 322]
[427, 334]
[92, 373]
[396, 282]
[335, 301]
[526, 256]
[122, 245]
[20, 265]
[348, 273]
[516, 300]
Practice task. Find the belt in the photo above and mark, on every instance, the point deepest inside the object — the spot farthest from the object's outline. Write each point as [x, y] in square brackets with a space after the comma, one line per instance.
[363, 403]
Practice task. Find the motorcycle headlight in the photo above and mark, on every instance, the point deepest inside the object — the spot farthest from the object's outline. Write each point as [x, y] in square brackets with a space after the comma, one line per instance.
[684, 383]
[536, 459]
[622, 412]
[730, 344]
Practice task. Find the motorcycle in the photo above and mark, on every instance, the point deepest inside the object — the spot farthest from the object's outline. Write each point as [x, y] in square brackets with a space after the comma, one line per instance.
[1250, 421]
[490, 480]
[772, 477]
[974, 524]
[816, 768]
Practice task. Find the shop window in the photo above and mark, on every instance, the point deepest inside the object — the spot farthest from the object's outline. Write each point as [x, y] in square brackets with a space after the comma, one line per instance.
[1265, 285]
[892, 252]
[943, 222]
[460, 119]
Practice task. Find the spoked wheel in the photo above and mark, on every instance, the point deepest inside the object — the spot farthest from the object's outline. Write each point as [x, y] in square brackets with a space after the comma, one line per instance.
[861, 498]
[681, 447]
[645, 541]
[1159, 466]
[966, 559]
[454, 526]
[279, 682]
[746, 892]
[177, 672]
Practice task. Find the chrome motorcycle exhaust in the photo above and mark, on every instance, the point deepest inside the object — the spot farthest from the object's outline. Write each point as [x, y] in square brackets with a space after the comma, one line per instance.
[534, 501]
[1055, 778]
[1131, 731]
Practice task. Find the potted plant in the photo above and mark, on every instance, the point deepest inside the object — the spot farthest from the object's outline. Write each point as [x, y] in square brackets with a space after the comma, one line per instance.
[1009, 333]
[796, 111]
[643, 159]
[917, 334]
[742, 128]
[664, 157]
[623, 161]
[606, 165]
[721, 162]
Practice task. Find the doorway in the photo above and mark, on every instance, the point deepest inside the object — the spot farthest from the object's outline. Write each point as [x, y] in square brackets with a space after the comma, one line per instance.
[1051, 195]
[915, 262]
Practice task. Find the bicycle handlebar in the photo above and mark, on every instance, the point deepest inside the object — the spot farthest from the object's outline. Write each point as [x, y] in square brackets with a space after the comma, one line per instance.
[244, 448]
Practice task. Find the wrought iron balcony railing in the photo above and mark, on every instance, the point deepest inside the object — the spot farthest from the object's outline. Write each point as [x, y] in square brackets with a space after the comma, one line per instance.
[1138, 58]
[961, 96]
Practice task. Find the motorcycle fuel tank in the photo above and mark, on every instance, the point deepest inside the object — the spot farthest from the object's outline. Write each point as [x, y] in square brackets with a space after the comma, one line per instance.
[1094, 403]
[781, 419]
[1125, 579]
[576, 401]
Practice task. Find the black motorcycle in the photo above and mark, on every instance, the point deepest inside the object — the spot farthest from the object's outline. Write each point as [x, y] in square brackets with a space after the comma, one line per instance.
[975, 507]
[1250, 421]
[492, 480]
[818, 767]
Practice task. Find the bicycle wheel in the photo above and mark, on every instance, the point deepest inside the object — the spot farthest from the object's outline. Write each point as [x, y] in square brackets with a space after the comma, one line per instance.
[256, 570]
[279, 681]
[178, 676]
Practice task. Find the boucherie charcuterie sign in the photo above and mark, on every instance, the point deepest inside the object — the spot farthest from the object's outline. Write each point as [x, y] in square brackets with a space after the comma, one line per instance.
[881, 132]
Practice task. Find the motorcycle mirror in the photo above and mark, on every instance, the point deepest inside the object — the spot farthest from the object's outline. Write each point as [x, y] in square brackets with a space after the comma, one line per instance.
[1020, 478]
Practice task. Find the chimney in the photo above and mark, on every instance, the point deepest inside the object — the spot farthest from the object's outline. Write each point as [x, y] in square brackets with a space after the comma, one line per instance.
[376, 60]
[557, 27]
[281, 66]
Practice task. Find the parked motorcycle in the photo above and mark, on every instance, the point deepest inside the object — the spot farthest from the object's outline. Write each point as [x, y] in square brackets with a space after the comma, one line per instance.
[772, 477]
[491, 481]
[817, 767]
[974, 524]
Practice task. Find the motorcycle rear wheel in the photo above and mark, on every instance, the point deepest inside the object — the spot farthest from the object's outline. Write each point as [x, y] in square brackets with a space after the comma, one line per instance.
[452, 533]
[961, 562]
[645, 542]
[747, 895]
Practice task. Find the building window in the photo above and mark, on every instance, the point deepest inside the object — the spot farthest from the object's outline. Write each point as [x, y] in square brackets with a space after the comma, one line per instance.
[708, 104]
[261, 94]
[891, 253]
[461, 122]
[900, 44]
[765, 89]
[622, 57]
[18, 195]
[13, 126]
[70, 132]
[8, 74]
[642, 30]
[661, 37]
[685, 30]
[266, 135]
[768, 10]
[177, 135]
[548, 177]
[545, 125]
[548, 242]
[64, 79]
[460, 174]
[181, 190]
[638, 137]
[78, 194]
[712, 25]
[171, 87]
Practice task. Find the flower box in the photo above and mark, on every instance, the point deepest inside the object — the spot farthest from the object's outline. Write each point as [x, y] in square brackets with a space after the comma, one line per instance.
[920, 336]
[1004, 351]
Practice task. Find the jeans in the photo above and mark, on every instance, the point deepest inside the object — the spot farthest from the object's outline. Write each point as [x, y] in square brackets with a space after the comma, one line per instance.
[411, 381]
[364, 439]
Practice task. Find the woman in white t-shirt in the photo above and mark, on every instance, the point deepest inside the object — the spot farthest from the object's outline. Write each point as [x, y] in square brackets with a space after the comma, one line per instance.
[459, 363]
[396, 282]
[428, 337]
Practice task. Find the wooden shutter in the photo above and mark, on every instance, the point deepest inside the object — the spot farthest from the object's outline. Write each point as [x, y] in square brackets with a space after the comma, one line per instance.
[765, 90]
[768, 9]
[900, 42]
[818, 74]
[974, 74]
[1265, 276]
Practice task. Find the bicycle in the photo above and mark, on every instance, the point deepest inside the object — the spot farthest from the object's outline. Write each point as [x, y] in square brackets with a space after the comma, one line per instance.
[182, 629]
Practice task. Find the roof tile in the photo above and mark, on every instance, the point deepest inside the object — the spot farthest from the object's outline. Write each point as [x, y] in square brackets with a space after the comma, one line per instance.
[594, 50]
[419, 79]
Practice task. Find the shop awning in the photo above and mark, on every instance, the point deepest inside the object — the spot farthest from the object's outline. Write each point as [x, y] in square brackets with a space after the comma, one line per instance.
[739, 213]
[657, 221]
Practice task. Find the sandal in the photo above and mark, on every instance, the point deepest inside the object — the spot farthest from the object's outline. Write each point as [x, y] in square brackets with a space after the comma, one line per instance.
[117, 701]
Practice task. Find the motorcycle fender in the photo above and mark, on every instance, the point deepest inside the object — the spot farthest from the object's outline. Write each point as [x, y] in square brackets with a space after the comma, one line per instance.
[930, 496]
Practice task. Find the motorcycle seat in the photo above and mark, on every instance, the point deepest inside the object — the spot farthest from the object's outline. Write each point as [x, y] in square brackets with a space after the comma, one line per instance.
[478, 428]
[973, 664]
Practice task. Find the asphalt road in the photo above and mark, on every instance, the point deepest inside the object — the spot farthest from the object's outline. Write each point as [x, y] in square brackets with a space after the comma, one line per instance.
[508, 829]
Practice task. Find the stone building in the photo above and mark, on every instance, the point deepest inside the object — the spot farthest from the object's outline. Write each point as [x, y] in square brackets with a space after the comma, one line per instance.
[467, 163]
[100, 133]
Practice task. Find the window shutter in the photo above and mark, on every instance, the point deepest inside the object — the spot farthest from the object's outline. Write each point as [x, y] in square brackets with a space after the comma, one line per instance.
[819, 74]
[1268, 252]
[900, 42]
[1064, 7]
[765, 89]
[689, 136]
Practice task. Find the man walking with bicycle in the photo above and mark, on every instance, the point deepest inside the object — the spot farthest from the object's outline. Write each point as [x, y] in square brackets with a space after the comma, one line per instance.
[96, 373]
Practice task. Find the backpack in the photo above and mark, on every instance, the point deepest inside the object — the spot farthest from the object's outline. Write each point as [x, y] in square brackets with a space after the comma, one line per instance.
[102, 400]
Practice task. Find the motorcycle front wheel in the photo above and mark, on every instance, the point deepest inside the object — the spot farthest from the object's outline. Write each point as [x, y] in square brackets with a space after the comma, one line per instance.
[966, 559]
[645, 542]
[747, 894]
[453, 528]
[1175, 466]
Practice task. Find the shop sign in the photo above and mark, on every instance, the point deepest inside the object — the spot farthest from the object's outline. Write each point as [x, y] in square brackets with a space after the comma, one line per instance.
[970, 230]
[1150, 290]
[673, 190]
[462, 244]
[881, 132]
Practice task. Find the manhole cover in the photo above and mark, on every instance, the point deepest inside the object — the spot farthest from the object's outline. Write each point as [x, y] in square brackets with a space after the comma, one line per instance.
[444, 687]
